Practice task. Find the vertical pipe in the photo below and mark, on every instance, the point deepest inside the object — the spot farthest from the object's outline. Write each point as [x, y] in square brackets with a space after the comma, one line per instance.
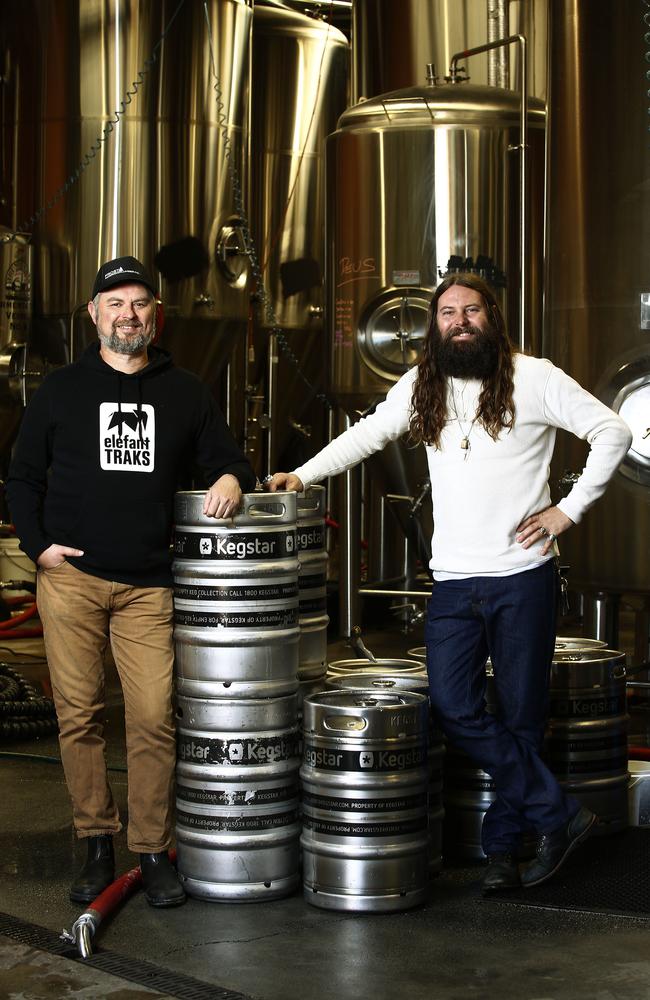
[497, 20]
[272, 391]
[349, 545]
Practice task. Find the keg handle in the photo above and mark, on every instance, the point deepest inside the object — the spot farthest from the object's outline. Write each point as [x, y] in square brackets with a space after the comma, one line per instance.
[346, 723]
[266, 509]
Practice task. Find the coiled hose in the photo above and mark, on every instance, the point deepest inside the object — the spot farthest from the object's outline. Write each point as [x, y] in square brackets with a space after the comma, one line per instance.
[24, 714]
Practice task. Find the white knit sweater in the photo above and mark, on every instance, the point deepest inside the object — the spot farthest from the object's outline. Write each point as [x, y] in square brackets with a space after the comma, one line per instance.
[482, 494]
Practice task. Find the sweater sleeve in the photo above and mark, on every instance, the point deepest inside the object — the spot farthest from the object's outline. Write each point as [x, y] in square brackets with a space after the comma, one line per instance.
[215, 451]
[370, 434]
[27, 480]
[568, 405]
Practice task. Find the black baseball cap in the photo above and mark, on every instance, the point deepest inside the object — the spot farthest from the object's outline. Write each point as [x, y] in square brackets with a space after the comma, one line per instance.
[119, 272]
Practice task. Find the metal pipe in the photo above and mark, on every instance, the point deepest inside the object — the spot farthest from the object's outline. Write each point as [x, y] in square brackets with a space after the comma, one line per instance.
[497, 20]
[523, 161]
[372, 592]
[350, 542]
[272, 392]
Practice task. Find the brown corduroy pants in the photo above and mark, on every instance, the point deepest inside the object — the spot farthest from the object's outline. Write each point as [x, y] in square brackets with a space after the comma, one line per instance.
[81, 614]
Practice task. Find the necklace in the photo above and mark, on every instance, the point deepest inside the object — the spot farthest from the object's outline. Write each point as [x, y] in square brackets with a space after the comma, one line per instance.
[464, 442]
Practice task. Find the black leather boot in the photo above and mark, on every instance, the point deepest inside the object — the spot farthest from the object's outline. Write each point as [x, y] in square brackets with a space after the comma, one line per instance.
[98, 871]
[161, 885]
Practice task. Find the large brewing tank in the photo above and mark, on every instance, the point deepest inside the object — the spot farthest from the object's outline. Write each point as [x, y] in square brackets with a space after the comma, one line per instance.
[299, 79]
[156, 184]
[299, 88]
[597, 320]
[392, 42]
[415, 177]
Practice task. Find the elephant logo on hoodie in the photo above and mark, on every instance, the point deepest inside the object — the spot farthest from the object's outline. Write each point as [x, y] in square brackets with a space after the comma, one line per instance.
[127, 436]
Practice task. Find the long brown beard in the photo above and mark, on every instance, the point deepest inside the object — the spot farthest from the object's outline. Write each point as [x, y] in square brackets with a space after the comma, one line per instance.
[476, 358]
[496, 409]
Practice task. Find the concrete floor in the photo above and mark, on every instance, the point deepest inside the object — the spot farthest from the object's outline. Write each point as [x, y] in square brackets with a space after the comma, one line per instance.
[457, 946]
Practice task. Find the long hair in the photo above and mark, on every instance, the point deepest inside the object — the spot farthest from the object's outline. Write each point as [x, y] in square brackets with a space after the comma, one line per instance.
[496, 409]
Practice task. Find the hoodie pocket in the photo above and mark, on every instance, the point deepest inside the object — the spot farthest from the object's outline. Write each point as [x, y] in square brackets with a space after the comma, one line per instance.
[125, 535]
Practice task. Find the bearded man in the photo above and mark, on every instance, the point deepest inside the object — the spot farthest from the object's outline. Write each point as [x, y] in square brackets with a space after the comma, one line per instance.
[487, 415]
[103, 446]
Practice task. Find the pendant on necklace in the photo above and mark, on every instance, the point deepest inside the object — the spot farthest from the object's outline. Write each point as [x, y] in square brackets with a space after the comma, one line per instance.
[465, 444]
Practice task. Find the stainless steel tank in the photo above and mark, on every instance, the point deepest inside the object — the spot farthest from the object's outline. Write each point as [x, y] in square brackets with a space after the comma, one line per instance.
[597, 288]
[364, 779]
[299, 89]
[156, 184]
[415, 177]
[238, 825]
[393, 42]
[236, 628]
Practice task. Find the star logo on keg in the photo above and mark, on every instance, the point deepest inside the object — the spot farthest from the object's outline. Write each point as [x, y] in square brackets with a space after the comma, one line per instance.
[366, 759]
[205, 546]
[236, 752]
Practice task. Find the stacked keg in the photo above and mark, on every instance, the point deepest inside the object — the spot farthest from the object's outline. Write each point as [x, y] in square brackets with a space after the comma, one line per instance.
[312, 589]
[236, 638]
[586, 739]
[416, 683]
[364, 778]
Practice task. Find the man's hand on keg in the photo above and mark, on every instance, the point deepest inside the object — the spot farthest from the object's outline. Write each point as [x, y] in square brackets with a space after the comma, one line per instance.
[223, 498]
[284, 481]
[55, 555]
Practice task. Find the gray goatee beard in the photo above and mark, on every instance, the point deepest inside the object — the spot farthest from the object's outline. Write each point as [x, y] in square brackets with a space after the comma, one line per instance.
[125, 345]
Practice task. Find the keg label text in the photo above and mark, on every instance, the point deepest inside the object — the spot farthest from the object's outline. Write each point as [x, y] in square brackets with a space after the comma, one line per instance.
[234, 545]
[380, 829]
[247, 751]
[404, 759]
[236, 824]
[310, 539]
[238, 796]
[282, 618]
[398, 803]
[588, 708]
[241, 592]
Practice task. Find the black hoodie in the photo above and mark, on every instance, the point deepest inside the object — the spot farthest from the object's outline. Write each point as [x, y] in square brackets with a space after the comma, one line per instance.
[100, 455]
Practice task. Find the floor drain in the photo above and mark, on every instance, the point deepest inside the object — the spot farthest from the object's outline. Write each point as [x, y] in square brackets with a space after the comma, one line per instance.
[134, 971]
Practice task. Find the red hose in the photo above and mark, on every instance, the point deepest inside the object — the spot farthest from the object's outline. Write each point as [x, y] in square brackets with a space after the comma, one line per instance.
[24, 616]
[13, 602]
[119, 891]
[21, 633]
[639, 753]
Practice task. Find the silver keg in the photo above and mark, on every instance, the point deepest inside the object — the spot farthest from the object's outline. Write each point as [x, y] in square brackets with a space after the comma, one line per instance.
[417, 684]
[236, 598]
[312, 583]
[586, 740]
[237, 797]
[364, 779]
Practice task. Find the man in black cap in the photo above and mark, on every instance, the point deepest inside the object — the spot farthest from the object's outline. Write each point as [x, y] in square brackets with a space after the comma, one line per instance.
[103, 446]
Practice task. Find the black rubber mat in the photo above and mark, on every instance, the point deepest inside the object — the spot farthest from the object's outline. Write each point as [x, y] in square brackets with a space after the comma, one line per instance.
[604, 875]
[174, 984]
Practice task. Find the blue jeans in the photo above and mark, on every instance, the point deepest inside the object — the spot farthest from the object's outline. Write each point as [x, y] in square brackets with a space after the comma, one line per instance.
[512, 620]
